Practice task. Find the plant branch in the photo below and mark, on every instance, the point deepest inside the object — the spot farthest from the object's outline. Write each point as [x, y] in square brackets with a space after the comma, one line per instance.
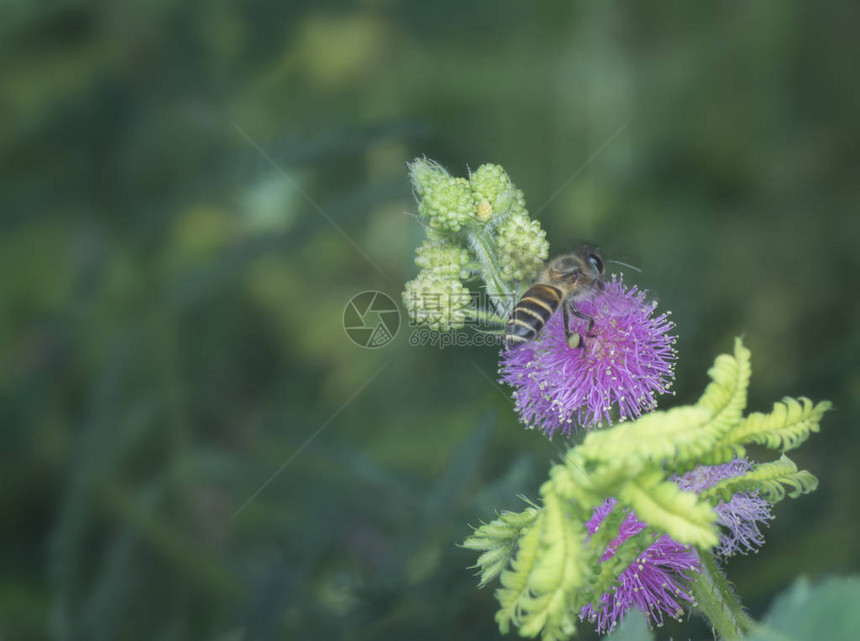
[716, 600]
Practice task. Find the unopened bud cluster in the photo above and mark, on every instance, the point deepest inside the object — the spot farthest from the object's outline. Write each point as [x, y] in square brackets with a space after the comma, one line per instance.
[436, 301]
[522, 246]
[444, 260]
[473, 227]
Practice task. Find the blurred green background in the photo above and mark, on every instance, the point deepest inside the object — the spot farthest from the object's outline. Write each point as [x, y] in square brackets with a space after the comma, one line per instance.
[171, 294]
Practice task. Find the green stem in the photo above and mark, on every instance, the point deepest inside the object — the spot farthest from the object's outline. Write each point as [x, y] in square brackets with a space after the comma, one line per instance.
[715, 599]
[501, 295]
[483, 315]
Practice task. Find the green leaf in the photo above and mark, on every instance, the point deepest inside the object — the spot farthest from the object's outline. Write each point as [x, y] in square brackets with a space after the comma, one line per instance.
[786, 427]
[634, 627]
[657, 436]
[768, 479]
[497, 541]
[515, 580]
[807, 612]
[556, 577]
[538, 593]
[663, 505]
[726, 396]
[683, 435]
[583, 484]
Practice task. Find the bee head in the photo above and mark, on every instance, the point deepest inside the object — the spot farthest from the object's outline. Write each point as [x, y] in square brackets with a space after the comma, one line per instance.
[592, 256]
[583, 269]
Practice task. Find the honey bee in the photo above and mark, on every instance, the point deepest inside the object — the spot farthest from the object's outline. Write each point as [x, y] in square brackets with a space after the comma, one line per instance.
[564, 280]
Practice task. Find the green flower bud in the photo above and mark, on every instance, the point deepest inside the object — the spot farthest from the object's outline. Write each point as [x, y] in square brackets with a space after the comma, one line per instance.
[522, 247]
[448, 204]
[436, 301]
[518, 203]
[444, 260]
[425, 175]
[492, 186]
[489, 182]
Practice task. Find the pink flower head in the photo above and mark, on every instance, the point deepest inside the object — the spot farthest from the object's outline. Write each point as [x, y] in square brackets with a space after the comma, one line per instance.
[625, 364]
[741, 516]
[655, 581]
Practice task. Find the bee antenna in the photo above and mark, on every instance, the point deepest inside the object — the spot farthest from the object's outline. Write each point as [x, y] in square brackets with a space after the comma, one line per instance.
[618, 262]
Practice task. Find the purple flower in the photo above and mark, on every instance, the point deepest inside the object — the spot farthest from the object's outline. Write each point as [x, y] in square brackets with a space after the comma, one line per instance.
[653, 583]
[599, 515]
[625, 364]
[741, 515]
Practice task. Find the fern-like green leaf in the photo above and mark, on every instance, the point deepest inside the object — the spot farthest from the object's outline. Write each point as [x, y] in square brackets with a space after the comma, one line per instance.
[557, 575]
[767, 478]
[515, 580]
[497, 541]
[718, 455]
[786, 427]
[654, 437]
[726, 396]
[682, 435]
[666, 507]
[586, 484]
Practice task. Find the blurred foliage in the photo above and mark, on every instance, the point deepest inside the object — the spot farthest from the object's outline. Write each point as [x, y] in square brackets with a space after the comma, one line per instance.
[806, 613]
[802, 612]
[171, 300]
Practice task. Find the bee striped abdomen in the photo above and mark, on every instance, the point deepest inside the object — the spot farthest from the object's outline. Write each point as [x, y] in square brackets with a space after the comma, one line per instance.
[531, 313]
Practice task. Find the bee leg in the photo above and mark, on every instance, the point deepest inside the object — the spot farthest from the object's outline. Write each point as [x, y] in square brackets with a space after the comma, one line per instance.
[573, 339]
[579, 314]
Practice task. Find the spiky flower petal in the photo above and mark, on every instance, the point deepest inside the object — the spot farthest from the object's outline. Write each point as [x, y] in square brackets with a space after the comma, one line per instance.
[655, 582]
[622, 367]
[741, 516]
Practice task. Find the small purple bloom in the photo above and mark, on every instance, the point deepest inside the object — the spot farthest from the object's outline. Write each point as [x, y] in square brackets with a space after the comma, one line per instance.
[628, 361]
[653, 583]
[599, 515]
[741, 515]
